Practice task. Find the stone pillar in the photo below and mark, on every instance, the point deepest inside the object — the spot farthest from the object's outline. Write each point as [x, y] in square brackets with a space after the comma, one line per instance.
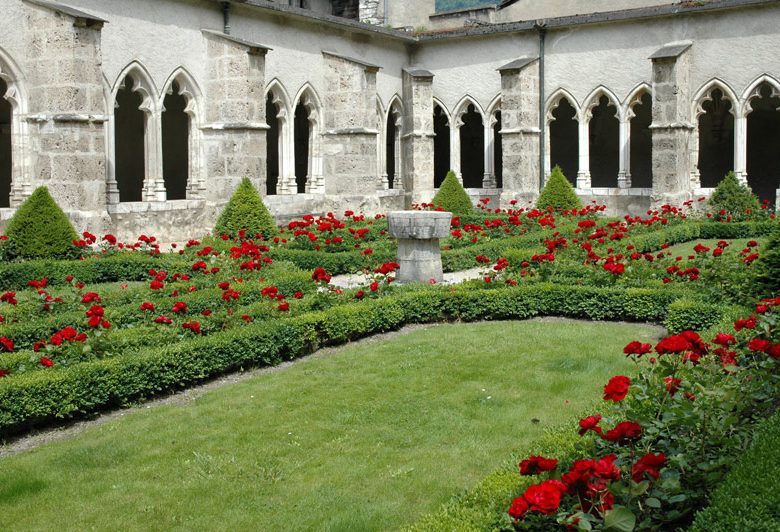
[234, 132]
[520, 134]
[348, 146]
[583, 173]
[418, 234]
[624, 171]
[417, 139]
[672, 130]
[67, 110]
[489, 176]
[370, 12]
[740, 146]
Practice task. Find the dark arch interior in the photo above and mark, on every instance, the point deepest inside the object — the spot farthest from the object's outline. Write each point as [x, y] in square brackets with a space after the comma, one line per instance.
[642, 143]
[175, 144]
[301, 147]
[129, 131]
[472, 149]
[498, 153]
[564, 140]
[6, 164]
[271, 146]
[716, 140]
[441, 146]
[604, 131]
[390, 148]
[763, 143]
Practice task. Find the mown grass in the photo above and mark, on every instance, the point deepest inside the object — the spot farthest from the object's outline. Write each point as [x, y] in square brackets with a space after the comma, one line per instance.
[735, 246]
[369, 438]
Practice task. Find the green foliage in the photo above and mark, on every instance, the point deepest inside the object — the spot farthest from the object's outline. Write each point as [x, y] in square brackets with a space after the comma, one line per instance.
[733, 199]
[748, 500]
[768, 282]
[452, 197]
[558, 193]
[688, 314]
[245, 210]
[39, 229]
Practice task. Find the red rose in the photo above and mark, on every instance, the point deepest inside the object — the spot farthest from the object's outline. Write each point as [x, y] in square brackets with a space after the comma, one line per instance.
[672, 385]
[545, 497]
[759, 344]
[637, 348]
[650, 465]
[774, 351]
[617, 388]
[518, 509]
[283, 307]
[724, 339]
[590, 423]
[606, 469]
[7, 344]
[147, 306]
[47, 362]
[537, 464]
[624, 433]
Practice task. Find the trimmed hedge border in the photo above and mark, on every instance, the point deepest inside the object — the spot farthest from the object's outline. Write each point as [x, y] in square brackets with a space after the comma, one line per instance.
[748, 500]
[42, 396]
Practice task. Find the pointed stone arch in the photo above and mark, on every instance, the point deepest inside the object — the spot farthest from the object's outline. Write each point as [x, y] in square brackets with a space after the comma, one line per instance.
[760, 137]
[593, 99]
[562, 118]
[494, 164]
[636, 143]
[393, 130]
[135, 127]
[468, 154]
[308, 146]
[15, 183]
[182, 155]
[600, 139]
[715, 110]
[442, 141]
[280, 160]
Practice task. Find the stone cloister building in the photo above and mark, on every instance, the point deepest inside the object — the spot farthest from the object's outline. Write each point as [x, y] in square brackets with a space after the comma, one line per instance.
[142, 116]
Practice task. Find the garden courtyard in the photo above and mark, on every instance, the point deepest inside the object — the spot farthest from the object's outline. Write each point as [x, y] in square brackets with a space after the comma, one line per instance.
[597, 374]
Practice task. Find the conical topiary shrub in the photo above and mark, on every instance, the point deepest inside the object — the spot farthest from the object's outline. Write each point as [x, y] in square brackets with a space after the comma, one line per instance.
[768, 265]
[558, 193]
[732, 198]
[245, 210]
[40, 230]
[452, 196]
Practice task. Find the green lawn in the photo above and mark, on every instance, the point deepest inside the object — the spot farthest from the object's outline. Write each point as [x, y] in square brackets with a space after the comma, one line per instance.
[369, 438]
[735, 245]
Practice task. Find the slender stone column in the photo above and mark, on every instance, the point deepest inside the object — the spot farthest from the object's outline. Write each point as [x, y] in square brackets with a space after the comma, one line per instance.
[234, 135]
[740, 147]
[417, 136]
[583, 174]
[624, 171]
[489, 177]
[67, 112]
[672, 130]
[520, 134]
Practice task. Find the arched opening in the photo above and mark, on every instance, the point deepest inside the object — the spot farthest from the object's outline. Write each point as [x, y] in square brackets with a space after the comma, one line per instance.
[129, 141]
[272, 145]
[472, 148]
[763, 143]
[6, 164]
[441, 146]
[716, 139]
[604, 144]
[302, 136]
[564, 140]
[393, 148]
[498, 153]
[175, 143]
[642, 143]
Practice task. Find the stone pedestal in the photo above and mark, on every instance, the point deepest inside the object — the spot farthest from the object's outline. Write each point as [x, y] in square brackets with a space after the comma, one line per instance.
[418, 234]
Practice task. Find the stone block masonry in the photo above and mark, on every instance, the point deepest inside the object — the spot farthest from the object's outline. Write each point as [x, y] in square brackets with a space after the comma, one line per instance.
[417, 134]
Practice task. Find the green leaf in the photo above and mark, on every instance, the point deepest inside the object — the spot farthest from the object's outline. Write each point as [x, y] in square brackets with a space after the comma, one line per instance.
[638, 488]
[652, 502]
[620, 519]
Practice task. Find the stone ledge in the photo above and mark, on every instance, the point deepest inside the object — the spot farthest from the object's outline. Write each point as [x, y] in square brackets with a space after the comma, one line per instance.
[155, 206]
[370, 67]
[253, 48]
[235, 126]
[81, 18]
[613, 191]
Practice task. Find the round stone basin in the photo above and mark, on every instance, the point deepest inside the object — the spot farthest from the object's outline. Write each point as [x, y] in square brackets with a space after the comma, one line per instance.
[419, 225]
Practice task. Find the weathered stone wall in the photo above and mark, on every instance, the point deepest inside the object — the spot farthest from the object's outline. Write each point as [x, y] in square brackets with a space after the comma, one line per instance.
[349, 142]
[234, 133]
[520, 134]
[67, 112]
[417, 134]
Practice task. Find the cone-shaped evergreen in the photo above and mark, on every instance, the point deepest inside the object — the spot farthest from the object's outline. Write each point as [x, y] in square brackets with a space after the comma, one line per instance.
[558, 193]
[40, 230]
[768, 281]
[452, 197]
[245, 210]
[736, 199]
